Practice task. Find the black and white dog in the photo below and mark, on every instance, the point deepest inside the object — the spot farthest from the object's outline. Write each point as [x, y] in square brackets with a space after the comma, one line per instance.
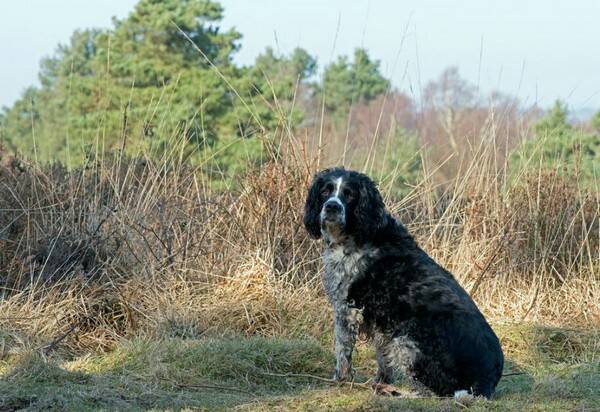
[382, 283]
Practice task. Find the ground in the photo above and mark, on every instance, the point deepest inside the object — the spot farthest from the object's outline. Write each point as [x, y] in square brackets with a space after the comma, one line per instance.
[557, 370]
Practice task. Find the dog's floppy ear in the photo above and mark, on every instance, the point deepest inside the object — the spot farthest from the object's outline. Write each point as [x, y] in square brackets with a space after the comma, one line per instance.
[312, 208]
[370, 212]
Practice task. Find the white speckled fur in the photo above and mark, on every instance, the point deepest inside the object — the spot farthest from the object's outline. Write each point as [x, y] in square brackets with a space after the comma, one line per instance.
[343, 264]
[401, 352]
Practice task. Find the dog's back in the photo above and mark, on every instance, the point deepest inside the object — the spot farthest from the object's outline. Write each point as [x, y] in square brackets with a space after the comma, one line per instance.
[435, 330]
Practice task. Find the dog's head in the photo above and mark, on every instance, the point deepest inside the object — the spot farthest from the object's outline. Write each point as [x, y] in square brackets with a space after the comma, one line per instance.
[343, 203]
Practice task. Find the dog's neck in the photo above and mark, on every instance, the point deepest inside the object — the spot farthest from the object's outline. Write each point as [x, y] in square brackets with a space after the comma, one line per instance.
[334, 236]
[342, 242]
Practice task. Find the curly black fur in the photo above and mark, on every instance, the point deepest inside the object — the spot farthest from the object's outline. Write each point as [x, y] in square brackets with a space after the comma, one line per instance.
[380, 280]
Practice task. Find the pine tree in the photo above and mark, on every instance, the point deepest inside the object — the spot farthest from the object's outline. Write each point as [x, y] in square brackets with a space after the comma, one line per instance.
[346, 83]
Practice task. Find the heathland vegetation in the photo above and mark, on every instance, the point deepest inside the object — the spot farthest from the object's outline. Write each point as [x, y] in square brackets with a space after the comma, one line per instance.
[152, 253]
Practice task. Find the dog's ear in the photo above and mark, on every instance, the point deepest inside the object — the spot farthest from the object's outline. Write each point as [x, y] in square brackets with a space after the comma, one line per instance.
[370, 212]
[312, 208]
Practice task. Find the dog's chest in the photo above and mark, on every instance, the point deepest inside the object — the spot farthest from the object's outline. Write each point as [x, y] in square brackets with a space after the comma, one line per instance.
[344, 265]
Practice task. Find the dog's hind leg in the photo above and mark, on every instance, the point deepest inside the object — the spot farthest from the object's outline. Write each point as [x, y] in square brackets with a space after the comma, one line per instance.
[385, 372]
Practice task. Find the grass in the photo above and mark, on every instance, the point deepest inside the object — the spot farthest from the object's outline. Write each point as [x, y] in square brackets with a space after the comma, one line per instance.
[132, 285]
[123, 246]
[141, 283]
[245, 372]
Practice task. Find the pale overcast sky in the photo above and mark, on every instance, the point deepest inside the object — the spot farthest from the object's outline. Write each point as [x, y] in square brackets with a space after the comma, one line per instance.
[536, 49]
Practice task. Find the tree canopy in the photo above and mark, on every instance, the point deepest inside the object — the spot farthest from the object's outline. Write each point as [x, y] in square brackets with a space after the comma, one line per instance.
[167, 70]
[167, 73]
[352, 82]
[561, 146]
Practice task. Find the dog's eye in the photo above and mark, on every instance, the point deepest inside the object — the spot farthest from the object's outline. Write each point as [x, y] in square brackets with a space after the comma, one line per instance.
[326, 191]
[348, 194]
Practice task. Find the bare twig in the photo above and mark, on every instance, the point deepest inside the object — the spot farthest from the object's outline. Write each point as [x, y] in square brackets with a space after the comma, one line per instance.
[22, 318]
[206, 386]
[488, 264]
[368, 384]
[513, 374]
[308, 376]
[52, 345]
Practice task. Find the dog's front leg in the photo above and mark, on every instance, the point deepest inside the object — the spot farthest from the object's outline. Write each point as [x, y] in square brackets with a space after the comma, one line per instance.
[347, 323]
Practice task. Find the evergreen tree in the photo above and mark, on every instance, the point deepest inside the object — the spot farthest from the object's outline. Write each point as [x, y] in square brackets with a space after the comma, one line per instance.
[166, 72]
[555, 122]
[560, 146]
[347, 83]
[141, 82]
[595, 122]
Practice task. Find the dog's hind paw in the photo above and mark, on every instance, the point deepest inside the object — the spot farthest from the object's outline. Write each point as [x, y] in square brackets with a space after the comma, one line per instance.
[464, 397]
[386, 389]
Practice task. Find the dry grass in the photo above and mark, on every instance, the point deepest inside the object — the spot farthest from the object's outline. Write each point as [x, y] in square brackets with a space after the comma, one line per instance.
[148, 285]
[134, 284]
[129, 246]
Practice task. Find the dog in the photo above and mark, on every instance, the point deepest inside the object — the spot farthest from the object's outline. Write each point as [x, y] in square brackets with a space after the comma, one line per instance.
[381, 283]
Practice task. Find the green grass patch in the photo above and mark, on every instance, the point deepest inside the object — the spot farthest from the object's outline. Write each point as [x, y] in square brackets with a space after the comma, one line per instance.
[165, 374]
[245, 373]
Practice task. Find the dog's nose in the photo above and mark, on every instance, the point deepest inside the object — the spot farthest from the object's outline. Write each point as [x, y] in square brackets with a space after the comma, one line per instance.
[333, 207]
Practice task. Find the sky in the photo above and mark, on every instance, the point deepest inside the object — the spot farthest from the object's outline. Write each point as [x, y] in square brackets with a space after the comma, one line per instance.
[537, 50]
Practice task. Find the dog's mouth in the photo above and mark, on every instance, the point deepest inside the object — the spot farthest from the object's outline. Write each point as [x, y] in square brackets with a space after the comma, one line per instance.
[333, 229]
[332, 222]
[332, 218]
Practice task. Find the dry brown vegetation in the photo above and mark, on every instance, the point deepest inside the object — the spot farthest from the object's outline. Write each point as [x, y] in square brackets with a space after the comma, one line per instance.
[130, 246]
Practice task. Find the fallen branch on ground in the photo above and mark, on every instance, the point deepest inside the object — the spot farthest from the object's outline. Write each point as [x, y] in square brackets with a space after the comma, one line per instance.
[52, 345]
[364, 385]
[513, 374]
[206, 386]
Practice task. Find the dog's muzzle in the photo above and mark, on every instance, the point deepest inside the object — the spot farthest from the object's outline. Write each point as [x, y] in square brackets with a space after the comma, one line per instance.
[333, 212]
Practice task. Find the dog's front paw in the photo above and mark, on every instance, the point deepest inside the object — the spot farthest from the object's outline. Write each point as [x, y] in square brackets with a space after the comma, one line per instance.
[344, 373]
